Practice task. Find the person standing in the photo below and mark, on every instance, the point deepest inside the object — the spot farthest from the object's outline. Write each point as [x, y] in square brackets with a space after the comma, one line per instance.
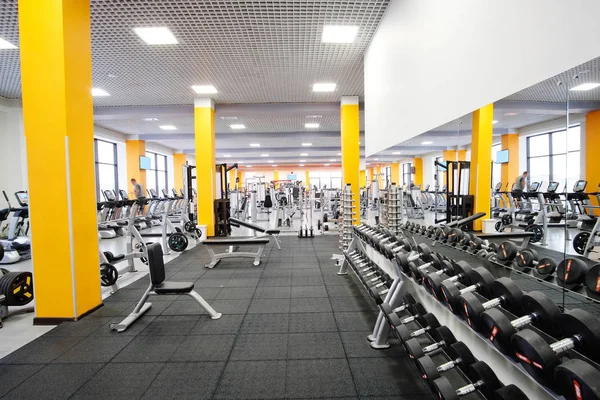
[138, 189]
[521, 182]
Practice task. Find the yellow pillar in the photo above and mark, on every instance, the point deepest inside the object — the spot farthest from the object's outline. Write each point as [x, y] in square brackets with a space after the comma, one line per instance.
[395, 173]
[592, 144]
[178, 163]
[481, 161]
[134, 149]
[204, 133]
[362, 178]
[418, 165]
[56, 77]
[510, 170]
[350, 130]
[240, 176]
[276, 175]
[307, 179]
[231, 179]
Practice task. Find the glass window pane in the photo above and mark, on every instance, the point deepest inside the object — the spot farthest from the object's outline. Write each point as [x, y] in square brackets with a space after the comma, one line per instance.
[106, 152]
[539, 169]
[495, 150]
[313, 174]
[538, 145]
[150, 179]
[574, 138]
[336, 183]
[573, 165]
[162, 163]
[162, 182]
[106, 177]
[559, 169]
[559, 142]
[152, 157]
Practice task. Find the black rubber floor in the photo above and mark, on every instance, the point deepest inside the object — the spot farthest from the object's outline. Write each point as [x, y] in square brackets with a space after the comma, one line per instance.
[291, 328]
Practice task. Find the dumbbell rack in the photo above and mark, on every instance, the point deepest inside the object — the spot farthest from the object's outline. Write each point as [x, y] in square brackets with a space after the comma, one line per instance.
[347, 216]
[507, 370]
[383, 204]
[394, 208]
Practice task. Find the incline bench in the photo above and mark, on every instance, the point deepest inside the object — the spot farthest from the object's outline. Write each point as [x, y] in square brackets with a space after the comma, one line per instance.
[230, 242]
[158, 286]
[270, 232]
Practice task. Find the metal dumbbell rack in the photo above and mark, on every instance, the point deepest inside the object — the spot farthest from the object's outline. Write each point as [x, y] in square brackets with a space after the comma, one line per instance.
[383, 204]
[394, 208]
[347, 216]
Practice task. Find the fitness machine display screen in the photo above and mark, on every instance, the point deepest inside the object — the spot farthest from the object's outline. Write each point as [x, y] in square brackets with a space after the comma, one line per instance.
[552, 186]
[145, 162]
[580, 186]
[534, 187]
[502, 157]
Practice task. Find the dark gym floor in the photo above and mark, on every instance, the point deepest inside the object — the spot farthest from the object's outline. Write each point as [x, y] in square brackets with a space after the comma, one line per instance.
[291, 328]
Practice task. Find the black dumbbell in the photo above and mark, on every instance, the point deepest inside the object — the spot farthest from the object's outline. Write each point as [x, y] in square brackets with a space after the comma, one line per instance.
[505, 293]
[430, 231]
[443, 233]
[443, 338]
[455, 236]
[528, 258]
[540, 311]
[507, 251]
[428, 322]
[544, 270]
[510, 392]
[481, 282]
[407, 300]
[464, 241]
[571, 272]
[460, 356]
[577, 380]
[416, 310]
[445, 267]
[414, 269]
[482, 378]
[592, 279]
[581, 331]
[461, 271]
[476, 244]
[423, 252]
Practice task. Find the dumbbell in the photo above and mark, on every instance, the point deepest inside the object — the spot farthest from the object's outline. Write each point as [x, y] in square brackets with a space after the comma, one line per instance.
[443, 233]
[592, 279]
[510, 392]
[428, 322]
[571, 272]
[476, 244]
[461, 271]
[443, 338]
[577, 380]
[507, 251]
[460, 356]
[540, 311]
[528, 259]
[430, 231]
[463, 243]
[505, 293]
[416, 310]
[454, 236]
[407, 300]
[581, 331]
[482, 378]
[444, 267]
[481, 282]
[423, 251]
[414, 269]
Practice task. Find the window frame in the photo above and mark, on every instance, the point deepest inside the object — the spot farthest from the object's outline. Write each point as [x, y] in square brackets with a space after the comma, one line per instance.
[115, 164]
[155, 156]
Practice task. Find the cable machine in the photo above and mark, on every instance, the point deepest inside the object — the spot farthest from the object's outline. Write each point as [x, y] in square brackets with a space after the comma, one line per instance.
[459, 203]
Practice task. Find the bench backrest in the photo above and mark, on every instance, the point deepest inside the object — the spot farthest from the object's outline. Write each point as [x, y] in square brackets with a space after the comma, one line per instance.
[156, 264]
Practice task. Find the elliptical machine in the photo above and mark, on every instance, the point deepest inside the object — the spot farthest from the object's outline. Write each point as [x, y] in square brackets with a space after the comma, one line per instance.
[16, 247]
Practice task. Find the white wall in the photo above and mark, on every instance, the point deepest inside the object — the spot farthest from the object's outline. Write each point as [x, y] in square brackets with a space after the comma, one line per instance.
[13, 155]
[429, 169]
[454, 57]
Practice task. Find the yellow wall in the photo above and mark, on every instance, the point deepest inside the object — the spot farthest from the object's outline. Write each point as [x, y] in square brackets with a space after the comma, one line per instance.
[178, 163]
[135, 149]
[204, 128]
[418, 164]
[275, 175]
[306, 179]
[362, 178]
[240, 176]
[510, 170]
[481, 161]
[395, 173]
[350, 131]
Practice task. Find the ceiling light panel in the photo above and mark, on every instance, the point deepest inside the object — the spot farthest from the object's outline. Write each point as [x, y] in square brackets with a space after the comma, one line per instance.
[168, 127]
[585, 86]
[97, 92]
[237, 126]
[205, 89]
[324, 87]
[156, 35]
[231, 33]
[5, 44]
[339, 34]
[311, 125]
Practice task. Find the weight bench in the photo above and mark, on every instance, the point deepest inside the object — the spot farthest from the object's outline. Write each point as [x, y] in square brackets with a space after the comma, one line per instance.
[459, 222]
[159, 286]
[269, 232]
[216, 257]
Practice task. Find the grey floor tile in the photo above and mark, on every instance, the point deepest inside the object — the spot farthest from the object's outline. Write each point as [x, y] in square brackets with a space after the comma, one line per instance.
[307, 281]
[345, 291]
[315, 345]
[239, 306]
[340, 304]
[253, 380]
[206, 293]
[55, 381]
[83, 327]
[319, 378]
[189, 380]
[236, 293]
[363, 321]
[120, 381]
[309, 291]
[312, 322]
[356, 345]
[149, 349]
[227, 324]
[158, 307]
[111, 309]
[42, 350]
[13, 375]
[204, 348]
[184, 307]
[265, 323]
[126, 294]
[170, 325]
[277, 273]
[242, 282]
[133, 330]
[283, 281]
[387, 376]
[301, 272]
[210, 283]
[273, 292]
[269, 306]
[95, 349]
[308, 305]
[260, 347]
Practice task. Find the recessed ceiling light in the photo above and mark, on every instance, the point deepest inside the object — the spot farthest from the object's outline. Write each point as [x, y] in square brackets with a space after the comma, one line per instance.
[301, 165]
[204, 89]
[302, 160]
[248, 166]
[376, 159]
[150, 119]
[4, 44]
[396, 153]
[332, 160]
[586, 86]
[303, 154]
[511, 114]
[240, 162]
[327, 165]
[324, 87]
[264, 155]
[494, 122]
[226, 155]
[306, 144]
[426, 142]
[97, 92]
[237, 126]
[254, 144]
[229, 118]
[339, 154]
[274, 165]
[159, 35]
[311, 125]
[339, 34]
[168, 127]
[270, 161]
[314, 116]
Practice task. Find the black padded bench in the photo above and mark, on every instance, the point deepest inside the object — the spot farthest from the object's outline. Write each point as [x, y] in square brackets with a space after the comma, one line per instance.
[159, 286]
[230, 242]
[269, 232]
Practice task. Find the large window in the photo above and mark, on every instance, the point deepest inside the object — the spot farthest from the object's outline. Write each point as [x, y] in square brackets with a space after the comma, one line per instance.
[407, 175]
[156, 176]
[497, 168]
[554, 156]
[106, 167]
[331, 179]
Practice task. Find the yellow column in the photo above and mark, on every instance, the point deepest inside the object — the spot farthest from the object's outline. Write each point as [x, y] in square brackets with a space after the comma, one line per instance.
[204, 133]
[276, 175]
[231, 179]
[418, 164]
[56, 77]
[592, 144]
[240, 176]
[350, 130]
[395, 173]
[178, 163]
[510, 170]
[481, 161]
[134, 149]
[362, 178]
[307, 179]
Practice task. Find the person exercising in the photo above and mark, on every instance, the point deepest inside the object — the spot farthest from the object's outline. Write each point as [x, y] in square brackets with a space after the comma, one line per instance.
[521, 182]
[138, 189]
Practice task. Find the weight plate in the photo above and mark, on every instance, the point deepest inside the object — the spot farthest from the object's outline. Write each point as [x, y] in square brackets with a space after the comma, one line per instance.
[571, 271]
[17, 287]
[580, 242]
[178, 242]
[579, 322]
[592, 279]
[189, 227]
[545, 268]
[577, 380]
[538, 233]
[108, 274]
[507, 251]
